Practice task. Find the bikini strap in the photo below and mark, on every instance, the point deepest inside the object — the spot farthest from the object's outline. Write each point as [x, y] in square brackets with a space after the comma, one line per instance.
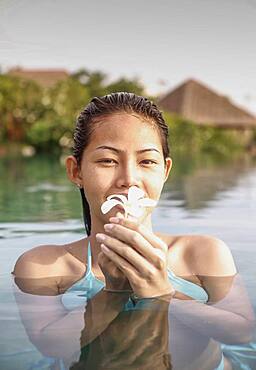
[89, 260]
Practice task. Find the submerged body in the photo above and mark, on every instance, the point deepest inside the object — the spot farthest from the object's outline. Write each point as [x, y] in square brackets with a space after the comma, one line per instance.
[77, 281]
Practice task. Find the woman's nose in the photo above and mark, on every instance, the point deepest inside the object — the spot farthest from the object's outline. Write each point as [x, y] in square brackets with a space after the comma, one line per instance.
[128, 176]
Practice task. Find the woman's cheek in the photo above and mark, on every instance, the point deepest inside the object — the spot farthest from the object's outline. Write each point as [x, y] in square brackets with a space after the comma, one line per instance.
[156, 184]
[99, 173]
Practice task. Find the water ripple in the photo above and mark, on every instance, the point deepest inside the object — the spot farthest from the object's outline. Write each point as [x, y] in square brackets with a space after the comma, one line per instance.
[47, 186]
[14, 230]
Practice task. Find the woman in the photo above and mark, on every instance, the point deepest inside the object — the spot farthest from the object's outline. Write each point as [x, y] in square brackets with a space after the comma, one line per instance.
[121, 143]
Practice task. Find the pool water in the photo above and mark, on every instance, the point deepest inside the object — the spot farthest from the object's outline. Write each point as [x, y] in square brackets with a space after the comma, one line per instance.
[39, 206]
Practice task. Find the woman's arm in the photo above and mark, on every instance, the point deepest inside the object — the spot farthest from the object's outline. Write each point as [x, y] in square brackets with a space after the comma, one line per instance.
[43, 314]
[228, 315]
[56, 331]
[229, 321]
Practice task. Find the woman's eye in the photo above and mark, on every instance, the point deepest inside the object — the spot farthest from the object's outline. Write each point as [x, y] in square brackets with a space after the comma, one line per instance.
[148, 162]
[107, 161]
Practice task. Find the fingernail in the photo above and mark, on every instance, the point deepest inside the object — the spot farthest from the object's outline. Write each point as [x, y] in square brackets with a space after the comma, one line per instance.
[100, 237]
[108, 227]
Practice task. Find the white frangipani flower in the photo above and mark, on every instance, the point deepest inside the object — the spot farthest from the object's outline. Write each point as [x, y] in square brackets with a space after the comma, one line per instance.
[133, 205]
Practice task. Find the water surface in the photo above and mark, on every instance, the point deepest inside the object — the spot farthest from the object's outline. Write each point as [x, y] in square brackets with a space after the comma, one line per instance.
[38, 205]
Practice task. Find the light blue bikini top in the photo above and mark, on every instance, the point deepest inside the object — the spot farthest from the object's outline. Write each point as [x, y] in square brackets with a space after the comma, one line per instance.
[88, 286]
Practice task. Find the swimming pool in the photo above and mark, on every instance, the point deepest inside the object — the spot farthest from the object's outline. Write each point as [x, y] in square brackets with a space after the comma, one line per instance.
[219, 201]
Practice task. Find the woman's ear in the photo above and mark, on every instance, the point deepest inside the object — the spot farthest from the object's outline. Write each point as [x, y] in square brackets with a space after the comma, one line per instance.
[73, 170]
[168, 166]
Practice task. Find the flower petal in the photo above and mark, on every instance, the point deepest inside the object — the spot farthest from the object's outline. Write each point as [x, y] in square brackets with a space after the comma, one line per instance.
[119, 196]
[146, 202]
[135, 193]
[106, 206]
[135, 211]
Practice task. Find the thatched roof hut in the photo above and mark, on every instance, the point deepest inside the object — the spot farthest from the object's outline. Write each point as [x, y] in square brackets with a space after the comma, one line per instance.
[44, 77]
[196, 102]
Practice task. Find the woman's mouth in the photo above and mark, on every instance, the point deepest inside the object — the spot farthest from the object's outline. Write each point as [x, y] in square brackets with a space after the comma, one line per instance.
[120, 208]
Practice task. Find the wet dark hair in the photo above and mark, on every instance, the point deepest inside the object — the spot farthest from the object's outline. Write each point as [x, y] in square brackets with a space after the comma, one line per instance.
[119, 102]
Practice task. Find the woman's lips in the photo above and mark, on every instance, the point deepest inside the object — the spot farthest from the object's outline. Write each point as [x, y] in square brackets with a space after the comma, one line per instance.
[119, 207]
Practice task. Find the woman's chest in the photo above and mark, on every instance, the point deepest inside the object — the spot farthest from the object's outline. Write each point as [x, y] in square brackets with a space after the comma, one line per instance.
[180, 267]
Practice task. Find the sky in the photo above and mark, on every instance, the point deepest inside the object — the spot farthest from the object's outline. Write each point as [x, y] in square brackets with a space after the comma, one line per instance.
[160, 42]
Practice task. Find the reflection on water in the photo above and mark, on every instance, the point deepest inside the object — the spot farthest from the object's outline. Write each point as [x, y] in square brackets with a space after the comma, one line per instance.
[166, 333]
[200, 181]
[37, 189]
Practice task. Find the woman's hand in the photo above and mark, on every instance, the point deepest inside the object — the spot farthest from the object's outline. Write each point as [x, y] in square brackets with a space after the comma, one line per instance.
[139, 254]
[115, 278]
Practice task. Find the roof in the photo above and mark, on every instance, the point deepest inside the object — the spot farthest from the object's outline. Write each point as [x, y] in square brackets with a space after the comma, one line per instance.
[44, 77]
[199, 103]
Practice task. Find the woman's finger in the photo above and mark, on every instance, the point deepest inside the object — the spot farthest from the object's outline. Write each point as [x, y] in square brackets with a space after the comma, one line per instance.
[127, 253]
[126, 267]
[156, 256]
[134, 225]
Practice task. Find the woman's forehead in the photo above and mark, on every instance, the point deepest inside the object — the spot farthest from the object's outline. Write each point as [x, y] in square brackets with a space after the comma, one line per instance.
[124, 117]
[124, 125]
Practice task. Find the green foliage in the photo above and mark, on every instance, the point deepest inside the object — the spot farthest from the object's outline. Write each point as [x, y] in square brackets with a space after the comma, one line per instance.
[45, 118]
[123, 84]
[67, 99]
[46, 134]
[20, 107]
[63, 102]
[254, 136]
[190, 138]
[95, 82]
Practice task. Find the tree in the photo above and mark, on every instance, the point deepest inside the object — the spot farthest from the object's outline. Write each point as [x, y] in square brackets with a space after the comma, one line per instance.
[20, 106]
[124, 84]
[93, 81]
[63, 102]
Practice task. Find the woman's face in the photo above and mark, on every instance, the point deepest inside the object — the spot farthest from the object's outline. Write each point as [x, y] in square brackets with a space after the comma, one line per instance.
[124, 150]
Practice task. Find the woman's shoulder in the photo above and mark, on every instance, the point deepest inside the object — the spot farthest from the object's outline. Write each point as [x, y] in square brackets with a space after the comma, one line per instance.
[200, 254]
[208, 255]
[41, 261]
[45, 269]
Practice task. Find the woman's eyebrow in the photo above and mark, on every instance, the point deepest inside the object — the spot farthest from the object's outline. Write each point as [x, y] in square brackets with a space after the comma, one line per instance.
[120, 150]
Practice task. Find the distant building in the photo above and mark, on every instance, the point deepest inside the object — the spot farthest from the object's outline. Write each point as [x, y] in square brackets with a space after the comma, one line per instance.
[44, 77]
[196, 102]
